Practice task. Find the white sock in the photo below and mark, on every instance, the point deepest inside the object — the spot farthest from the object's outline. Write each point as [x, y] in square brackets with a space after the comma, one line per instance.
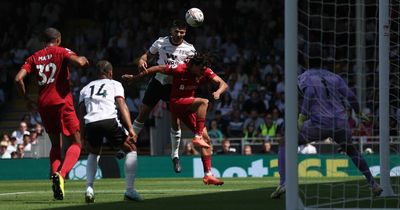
[175, 141]
[130, 169]
[137, 126]
[91, 168]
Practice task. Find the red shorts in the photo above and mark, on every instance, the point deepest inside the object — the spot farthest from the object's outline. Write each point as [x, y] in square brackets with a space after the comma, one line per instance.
[60, 118]
[180, 108]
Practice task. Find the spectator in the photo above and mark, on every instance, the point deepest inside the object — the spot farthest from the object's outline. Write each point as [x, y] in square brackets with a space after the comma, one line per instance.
[280, 101]
[254, 103]
[34, 117]
[254, 118]
[39, 129]
[34, 137]
[247, 150]
[235, 127]
[5, 137]
[226, 148]
[215, 133]
[235, 86]
[250, 133]
[19, 53]
[20, 150]
[266, 148]
[222, 123]
[133, 106]
[190, 150]
[269, 128]
[12, 146]
[277, 117]
[230, 50]
[14, 155]
[4, 154]
[27, 143]
[225, 105]
[27, 118]
[307, 149]
[22, 130]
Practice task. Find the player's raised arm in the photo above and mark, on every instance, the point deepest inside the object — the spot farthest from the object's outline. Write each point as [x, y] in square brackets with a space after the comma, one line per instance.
[222, 87]
[79, 61]
[151, 70]
[142, 63]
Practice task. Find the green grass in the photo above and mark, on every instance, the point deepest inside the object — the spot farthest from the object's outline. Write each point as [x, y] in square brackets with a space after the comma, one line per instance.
[177, 194]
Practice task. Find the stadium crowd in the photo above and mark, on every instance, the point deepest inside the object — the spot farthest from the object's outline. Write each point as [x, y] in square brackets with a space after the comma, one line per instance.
[247, 52]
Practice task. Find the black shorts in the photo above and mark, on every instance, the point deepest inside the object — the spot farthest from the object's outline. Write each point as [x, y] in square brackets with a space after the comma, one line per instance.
[110, 129]
[156, 91]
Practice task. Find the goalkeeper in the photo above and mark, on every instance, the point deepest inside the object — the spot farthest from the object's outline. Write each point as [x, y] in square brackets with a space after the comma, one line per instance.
[322, 115]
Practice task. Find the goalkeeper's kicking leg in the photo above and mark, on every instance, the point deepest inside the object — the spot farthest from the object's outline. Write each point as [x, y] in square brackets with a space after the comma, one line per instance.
[357, 159]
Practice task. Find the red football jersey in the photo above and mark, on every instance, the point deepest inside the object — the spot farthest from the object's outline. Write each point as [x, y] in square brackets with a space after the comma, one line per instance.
[50, 65]
[185, 83]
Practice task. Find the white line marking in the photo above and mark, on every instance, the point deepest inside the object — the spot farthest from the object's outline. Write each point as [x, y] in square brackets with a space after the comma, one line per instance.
[122, 191]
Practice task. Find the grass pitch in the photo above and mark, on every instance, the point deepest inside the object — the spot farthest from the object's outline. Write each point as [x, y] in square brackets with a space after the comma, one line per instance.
[189, 194]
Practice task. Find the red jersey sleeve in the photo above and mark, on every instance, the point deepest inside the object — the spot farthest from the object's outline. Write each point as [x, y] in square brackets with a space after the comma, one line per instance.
[67, 52]
[208, 75]
[28, 64]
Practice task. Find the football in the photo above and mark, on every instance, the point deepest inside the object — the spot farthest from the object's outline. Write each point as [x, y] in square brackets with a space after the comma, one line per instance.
[194, 17]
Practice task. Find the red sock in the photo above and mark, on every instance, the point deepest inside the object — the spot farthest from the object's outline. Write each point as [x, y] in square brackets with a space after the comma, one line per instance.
[200, 126]
[55, 159]
[206, 163]
[71, 156]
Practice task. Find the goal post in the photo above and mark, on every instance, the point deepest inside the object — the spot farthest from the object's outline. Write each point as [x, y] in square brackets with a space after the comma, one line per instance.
[292, 186]
[355, 34]
[384, 68]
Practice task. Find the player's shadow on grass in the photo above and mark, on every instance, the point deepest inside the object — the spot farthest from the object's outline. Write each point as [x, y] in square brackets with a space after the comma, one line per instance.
[232, 200]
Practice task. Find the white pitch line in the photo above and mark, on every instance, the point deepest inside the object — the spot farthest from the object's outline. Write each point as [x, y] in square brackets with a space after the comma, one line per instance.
[15, 193]
[122, 191]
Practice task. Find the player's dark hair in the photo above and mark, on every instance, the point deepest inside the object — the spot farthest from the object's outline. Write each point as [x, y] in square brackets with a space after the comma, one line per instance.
[50, 34]
[103, 67]
[202, 59]
[178, 24]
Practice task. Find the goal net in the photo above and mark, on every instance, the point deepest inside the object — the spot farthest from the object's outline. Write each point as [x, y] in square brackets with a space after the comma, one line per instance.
[347, 36]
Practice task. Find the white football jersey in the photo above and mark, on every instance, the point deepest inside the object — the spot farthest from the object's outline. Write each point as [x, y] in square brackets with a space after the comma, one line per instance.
[99, 98]
[170, 54]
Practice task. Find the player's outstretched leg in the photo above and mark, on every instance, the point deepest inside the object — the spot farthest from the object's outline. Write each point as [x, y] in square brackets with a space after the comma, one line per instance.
[362, 165]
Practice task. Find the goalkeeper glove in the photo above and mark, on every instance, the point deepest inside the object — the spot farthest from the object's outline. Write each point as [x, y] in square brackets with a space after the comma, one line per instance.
[363, 117]
[300, 120]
